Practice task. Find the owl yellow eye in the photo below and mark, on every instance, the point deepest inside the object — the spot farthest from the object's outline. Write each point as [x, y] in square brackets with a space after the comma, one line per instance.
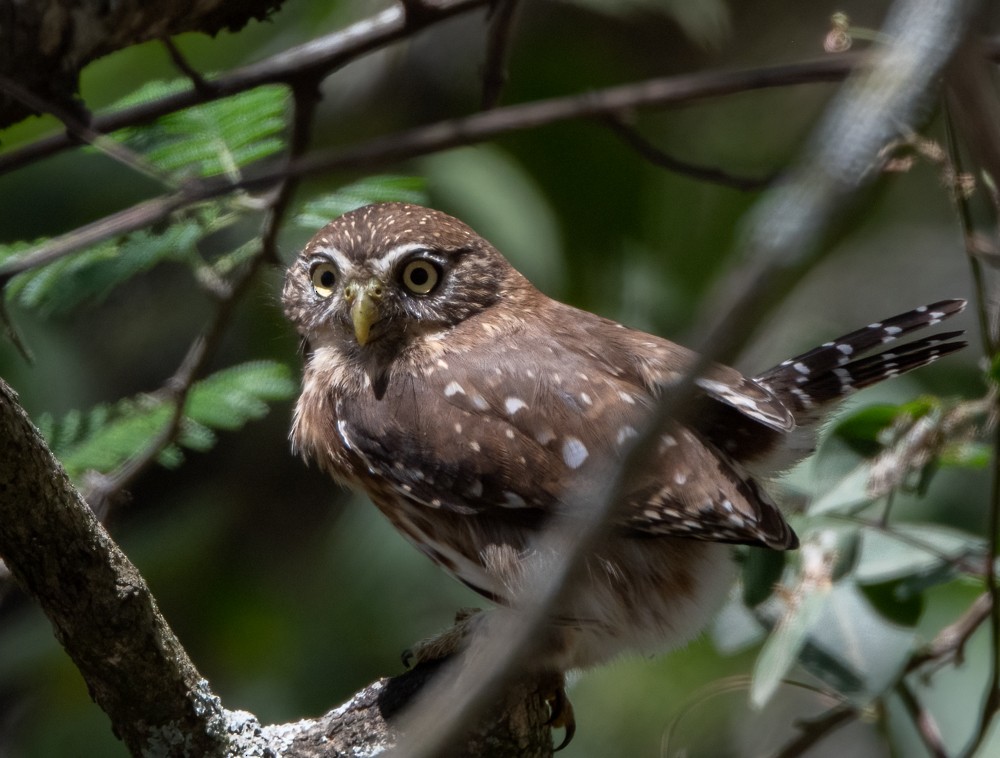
[324, 276]
[420, 277]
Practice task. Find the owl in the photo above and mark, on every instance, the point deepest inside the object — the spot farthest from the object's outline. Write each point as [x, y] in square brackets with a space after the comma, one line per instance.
[471, 409]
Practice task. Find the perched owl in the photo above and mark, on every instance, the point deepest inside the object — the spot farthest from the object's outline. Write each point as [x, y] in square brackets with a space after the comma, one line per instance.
[470, 407]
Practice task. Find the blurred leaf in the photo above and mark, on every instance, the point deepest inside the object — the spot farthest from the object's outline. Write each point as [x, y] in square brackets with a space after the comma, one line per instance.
[974, 455]
[853, 649]
[736, 628]
[919, 549]
[762, 571]
[994, 372]
[895, 603]
[220, 137]
[847, 495]
[319, 211]
[103, 438]
[781, 650]
[860, 430]
[847, 551]
[91, 275]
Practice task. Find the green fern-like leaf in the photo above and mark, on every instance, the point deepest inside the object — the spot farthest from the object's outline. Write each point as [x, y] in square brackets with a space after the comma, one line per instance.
[220, 137]
[90, 276]
[106, 436]
[374, 189]
[230, 398]
[83, 444]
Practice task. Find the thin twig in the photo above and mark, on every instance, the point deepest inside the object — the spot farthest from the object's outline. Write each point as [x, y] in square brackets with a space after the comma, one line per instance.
[442, 135]
[201, 85]
[949, 644]
[502, 14]
[628, 134]
[814, 730]
[82, 132]
[927, 728]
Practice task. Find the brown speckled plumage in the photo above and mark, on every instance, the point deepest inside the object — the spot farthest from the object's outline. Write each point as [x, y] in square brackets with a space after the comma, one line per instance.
[476, 409]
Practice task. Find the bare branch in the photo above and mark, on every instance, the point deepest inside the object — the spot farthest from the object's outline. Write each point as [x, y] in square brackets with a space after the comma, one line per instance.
[443, 135]
[200, 84]
[502, 15]
[814, 730]
[926, 726]
[949, 644]
[628, 134]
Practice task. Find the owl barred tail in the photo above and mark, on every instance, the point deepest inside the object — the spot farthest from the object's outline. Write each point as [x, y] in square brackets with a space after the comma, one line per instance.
[837, 368]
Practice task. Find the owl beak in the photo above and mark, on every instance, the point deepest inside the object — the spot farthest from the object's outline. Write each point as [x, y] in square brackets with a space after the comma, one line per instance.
[365, 298]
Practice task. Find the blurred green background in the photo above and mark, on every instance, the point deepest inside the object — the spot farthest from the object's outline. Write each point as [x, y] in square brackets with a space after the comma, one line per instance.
[291, 594]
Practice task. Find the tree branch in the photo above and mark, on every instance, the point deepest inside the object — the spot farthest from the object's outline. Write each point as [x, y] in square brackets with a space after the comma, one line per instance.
[101, 609]
[319, 56]
[105, 617]
[401, 146]
[46, 44]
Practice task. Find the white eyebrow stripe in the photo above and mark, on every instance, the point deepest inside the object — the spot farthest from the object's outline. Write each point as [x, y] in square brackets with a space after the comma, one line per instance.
[384, 264]
[344, 265]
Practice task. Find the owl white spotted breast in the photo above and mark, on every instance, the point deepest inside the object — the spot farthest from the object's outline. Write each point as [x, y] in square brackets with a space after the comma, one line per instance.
[470, 407]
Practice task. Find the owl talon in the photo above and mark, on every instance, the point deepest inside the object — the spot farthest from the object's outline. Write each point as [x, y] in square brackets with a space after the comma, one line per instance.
[443, 644]
[407, 657]
[561, 714]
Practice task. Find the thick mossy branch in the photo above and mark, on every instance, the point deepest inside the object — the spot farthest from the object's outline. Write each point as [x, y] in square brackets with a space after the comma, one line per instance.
[105, 617]
[101, 609]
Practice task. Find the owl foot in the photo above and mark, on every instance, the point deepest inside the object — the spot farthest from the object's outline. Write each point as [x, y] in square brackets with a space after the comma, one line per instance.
[560, 708]
[552, 685]
[443, 644]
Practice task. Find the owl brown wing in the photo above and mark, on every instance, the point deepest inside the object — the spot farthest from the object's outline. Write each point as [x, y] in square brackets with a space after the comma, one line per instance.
[515, 429]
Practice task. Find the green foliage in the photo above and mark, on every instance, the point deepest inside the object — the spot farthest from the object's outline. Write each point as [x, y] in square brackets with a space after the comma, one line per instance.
[862, 429]
[762, 570]
[851, 599]
[104, 437]
[318, 211]
[90, 276]
[220, 137]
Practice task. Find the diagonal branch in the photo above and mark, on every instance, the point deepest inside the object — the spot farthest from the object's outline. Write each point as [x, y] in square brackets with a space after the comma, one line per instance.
[135, 668]
[102, 611]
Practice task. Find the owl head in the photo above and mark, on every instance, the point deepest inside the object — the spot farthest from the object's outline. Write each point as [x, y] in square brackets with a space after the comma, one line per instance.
[386, 273]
